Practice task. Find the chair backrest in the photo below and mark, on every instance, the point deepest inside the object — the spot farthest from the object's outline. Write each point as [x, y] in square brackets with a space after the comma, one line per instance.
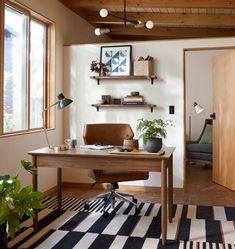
[107, 133]
[207, 122]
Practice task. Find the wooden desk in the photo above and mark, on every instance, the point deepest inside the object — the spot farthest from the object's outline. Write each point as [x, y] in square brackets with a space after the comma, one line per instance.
[92, 159]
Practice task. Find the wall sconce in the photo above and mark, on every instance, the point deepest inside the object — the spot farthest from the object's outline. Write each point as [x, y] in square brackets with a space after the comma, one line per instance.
[198, 109]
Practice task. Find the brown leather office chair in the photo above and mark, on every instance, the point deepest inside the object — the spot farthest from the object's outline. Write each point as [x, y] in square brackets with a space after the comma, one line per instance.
[111, 134]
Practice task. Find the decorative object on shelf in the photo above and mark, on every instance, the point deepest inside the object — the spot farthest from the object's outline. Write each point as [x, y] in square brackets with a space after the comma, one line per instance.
[126, 22]
[117, 59]
[133, 99]
[98, 67]
[16, 202]
[106, 99]
[143, 66]
[152, 132]
[116, 101]
[135, 93]
[61, 103]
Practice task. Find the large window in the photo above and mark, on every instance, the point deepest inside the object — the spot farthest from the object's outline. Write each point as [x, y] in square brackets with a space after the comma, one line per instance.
[26, 82]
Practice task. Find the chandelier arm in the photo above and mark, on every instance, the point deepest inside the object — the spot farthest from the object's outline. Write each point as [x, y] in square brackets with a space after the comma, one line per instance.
[122, 18]
[125, 13]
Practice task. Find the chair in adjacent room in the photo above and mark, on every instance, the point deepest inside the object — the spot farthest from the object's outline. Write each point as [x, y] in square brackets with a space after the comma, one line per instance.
[111, 134]
[200, 150]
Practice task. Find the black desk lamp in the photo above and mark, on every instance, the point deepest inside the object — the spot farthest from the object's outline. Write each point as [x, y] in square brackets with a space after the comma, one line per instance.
[61, 103]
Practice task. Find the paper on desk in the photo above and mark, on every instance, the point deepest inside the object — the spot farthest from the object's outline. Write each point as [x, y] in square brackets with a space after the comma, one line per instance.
[96, 147]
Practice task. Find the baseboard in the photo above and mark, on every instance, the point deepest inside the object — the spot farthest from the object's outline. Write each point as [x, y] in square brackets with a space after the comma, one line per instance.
[88, 186]
[85, 186]
[50, 191]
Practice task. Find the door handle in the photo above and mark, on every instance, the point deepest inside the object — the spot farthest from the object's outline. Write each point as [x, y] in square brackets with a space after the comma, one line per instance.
[212, 115]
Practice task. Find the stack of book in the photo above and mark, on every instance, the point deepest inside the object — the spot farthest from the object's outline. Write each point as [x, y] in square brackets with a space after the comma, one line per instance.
[133, 100]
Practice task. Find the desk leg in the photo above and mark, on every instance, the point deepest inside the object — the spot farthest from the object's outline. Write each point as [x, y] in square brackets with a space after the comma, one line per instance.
[164, 201]
[170, 188]
[59, 188]
[35, 188]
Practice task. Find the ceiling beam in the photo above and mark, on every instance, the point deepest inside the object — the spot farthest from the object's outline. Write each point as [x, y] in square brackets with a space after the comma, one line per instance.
[151, 3]
[175, 32]
[171, 19]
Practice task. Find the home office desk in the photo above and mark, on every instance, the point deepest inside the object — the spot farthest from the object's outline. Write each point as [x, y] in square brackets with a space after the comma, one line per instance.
[92, 159]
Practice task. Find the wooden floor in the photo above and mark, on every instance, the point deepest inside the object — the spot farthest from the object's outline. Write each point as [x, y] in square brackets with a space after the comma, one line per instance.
[200, 190]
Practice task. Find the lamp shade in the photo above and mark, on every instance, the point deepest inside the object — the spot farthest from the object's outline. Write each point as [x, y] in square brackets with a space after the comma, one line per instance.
[62, 101]
[198, 109]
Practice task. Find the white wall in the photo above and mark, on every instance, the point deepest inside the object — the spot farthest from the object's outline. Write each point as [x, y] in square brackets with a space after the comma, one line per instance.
[198, 72]
[69, 29]
[168, 90]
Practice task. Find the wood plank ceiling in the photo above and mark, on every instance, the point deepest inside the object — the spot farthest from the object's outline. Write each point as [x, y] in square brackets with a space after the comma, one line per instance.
[173, 19]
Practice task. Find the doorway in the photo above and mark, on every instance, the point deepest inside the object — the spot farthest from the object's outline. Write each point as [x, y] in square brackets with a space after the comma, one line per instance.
[198, 92]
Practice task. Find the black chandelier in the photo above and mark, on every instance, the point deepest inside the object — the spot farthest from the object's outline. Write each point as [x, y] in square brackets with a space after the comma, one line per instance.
[134, 23]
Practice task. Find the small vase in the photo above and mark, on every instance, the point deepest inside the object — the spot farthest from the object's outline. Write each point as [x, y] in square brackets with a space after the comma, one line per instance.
[103, 73]
[153, 145]
[3, 236]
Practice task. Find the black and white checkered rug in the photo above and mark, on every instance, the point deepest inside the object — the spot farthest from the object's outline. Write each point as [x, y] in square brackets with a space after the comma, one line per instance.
[198, 227]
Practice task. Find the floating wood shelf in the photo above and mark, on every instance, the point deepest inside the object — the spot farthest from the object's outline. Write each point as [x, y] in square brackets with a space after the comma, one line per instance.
[151, 106]
[129, 77]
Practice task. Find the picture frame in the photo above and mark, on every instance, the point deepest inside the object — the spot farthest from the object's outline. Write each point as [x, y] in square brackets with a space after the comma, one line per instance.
[117, 59]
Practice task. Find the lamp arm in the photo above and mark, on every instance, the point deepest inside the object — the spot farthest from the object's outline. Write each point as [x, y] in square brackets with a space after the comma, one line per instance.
[44, 124]
[47, 108]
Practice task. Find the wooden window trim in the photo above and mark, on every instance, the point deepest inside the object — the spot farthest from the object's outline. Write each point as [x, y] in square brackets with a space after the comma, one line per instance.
[2, 16]
[49, 88]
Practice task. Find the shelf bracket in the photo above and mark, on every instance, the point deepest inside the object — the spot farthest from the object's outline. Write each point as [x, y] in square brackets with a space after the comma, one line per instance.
[98, 81]
[152, 81]
[97, 108]
[151, 108]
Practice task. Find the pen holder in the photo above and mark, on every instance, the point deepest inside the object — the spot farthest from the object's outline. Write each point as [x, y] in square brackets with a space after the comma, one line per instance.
[131, 144]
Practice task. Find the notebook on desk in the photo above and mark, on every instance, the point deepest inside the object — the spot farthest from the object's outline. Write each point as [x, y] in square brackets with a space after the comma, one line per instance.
[96, 147]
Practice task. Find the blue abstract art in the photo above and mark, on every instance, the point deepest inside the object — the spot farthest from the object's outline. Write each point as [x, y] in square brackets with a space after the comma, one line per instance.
[117, 59]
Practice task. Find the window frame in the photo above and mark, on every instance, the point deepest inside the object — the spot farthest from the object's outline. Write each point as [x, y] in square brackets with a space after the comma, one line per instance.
[49, 64]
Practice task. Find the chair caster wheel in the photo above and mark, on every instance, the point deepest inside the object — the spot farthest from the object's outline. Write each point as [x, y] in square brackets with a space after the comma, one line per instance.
[137, 211]
[86, 206]
[135, 200]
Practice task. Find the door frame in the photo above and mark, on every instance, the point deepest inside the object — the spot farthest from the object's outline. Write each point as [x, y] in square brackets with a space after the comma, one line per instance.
[185, 50]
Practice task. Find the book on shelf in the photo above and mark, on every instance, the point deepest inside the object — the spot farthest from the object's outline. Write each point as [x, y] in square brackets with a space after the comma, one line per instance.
[134, 96]
[133, 103]
[133, 99]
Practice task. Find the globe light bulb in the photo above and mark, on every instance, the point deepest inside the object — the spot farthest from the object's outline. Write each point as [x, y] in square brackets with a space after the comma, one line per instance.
[97, 31]
[102, 31]
[149, 24]
[104, 12]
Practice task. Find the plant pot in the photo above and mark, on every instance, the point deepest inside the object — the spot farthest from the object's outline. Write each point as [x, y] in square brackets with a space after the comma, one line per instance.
[153, 145]
[3, 236]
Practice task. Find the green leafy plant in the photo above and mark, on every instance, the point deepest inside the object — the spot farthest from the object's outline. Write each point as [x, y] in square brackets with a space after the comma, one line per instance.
[15, 202]
[148, 129]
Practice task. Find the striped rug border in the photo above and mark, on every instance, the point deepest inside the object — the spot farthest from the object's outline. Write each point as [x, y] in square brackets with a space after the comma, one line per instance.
[186, 216]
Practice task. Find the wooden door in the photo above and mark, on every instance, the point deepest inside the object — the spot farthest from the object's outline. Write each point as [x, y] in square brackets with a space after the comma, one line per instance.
[223, 77]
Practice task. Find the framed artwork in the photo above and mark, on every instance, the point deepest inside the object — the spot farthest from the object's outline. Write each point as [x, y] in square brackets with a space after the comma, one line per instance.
[117, 59]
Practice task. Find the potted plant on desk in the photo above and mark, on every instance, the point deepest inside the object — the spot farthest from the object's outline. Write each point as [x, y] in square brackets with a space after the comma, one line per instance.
[15, 202]
[152, 132]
